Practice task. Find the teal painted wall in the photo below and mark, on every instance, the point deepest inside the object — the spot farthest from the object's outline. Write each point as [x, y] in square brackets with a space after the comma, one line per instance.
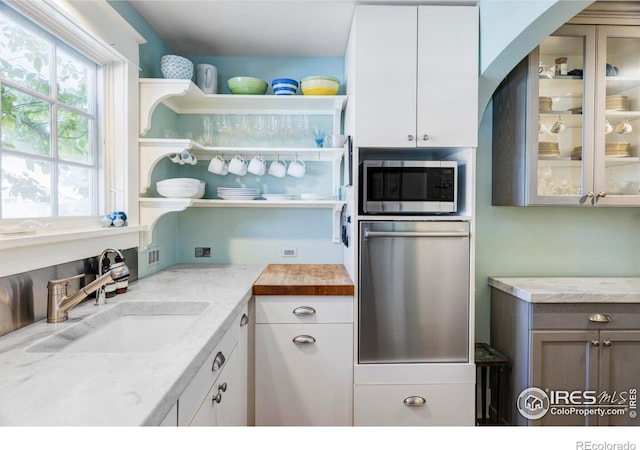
[152, 51]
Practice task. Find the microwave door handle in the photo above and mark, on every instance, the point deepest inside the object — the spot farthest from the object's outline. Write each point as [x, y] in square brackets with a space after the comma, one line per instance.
[372, 234]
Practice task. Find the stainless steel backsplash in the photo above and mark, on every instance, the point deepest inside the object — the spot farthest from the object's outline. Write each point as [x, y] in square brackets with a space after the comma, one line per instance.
[23, 297]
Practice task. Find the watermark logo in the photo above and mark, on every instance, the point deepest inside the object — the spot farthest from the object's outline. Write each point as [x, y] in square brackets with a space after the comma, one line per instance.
[534, 403]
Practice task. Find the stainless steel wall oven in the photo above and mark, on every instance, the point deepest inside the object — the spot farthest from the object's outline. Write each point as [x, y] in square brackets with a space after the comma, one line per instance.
[413, 292]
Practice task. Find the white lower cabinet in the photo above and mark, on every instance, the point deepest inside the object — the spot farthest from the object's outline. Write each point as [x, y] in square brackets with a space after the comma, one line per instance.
[223, 404]
[304, 360]
[414, 405]
[217, 394]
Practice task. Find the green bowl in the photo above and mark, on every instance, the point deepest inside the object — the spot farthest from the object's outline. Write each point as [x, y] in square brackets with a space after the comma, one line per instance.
[247, 86]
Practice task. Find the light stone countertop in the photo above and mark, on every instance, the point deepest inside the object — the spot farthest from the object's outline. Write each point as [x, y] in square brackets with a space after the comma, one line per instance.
[42, 389]
[570, 289]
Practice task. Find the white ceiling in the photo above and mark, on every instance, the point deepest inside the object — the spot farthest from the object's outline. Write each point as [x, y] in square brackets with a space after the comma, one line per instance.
[256, 27]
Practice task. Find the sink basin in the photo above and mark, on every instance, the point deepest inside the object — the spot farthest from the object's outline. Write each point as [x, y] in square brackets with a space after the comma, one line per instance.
[132, 327]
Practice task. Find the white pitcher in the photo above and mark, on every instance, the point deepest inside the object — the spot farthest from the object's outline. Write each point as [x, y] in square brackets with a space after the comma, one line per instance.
[207, 78]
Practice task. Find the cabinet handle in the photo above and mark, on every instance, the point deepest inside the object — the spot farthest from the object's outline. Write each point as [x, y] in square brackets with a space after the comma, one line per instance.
[602, 194]
[218, 361]
[410, 137]
[217, 398]
[596, 343]
[415, 400]
[591, 194]
[606, 343]
[600, 318]
[425, 137]
[304, 311]
[222, 387]
[304, 339]
[244, 320]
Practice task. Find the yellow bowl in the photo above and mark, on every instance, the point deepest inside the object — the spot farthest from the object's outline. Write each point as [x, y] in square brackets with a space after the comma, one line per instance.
[319, 91]
[319, 87]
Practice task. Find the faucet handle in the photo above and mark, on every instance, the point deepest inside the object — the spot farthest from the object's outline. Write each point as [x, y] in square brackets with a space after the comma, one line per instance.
[64, 281]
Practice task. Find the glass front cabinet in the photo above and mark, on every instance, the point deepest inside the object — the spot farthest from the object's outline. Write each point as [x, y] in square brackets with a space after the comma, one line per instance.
[565, 121]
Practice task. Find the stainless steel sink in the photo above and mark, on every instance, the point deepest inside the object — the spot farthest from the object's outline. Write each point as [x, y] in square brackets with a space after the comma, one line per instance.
[131, 327]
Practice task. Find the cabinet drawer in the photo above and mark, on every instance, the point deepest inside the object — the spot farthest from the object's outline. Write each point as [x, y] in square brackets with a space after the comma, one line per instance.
[581, 316]
[306, 383]
[206, 376]
[386, 405]
[304, 309]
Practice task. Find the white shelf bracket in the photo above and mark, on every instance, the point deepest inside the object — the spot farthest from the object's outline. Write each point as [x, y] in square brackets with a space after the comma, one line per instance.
[153, 150]
[150, 212]
[153, 92]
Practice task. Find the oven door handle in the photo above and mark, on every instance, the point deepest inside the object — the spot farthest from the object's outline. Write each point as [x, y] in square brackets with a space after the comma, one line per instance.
[372, 234]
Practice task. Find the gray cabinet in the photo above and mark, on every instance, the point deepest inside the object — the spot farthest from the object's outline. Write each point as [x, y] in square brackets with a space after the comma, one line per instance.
[588, 350]
[569, 133]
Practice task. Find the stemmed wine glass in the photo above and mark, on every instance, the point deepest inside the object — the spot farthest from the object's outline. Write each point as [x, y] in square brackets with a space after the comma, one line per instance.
[302, 126]
[241, 127]
[222, 127]
[286, 128]
[259, 129]
[272, 128]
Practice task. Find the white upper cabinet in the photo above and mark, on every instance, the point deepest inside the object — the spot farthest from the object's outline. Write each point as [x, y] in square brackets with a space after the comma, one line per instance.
[412, 72]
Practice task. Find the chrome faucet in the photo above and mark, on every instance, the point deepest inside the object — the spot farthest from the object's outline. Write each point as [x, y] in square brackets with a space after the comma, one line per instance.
[59, 302]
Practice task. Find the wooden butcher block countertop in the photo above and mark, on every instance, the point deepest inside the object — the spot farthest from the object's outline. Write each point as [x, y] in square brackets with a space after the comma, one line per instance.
[304, 279]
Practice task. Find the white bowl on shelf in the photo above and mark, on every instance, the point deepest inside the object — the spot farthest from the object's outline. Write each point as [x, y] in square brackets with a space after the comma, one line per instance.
[181, 188]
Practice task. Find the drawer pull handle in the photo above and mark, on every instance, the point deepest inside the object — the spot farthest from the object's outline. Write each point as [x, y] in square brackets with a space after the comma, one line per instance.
[304, 339]
[600, 318]
[304, 311]
[244, 320]
[222, 387]
[217, 398]
[218, 361]
[606, 343]
[415, 400]
[596, 343]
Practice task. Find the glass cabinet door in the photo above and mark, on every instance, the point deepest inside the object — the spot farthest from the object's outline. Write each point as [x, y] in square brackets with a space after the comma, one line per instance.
[565, 63]
[617, 128]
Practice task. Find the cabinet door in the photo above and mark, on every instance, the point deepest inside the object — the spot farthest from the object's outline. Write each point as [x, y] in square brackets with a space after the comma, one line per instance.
[385, 76]
[568, 361]
[447, 102]
[301, 383]
[617, 166]
[414, 405]
[223, 403]
[561, 114]
[619, 369]
[232, 409]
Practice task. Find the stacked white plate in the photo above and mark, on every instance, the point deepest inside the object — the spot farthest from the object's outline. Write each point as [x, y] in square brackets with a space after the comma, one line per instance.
[181, 188]
[238, 193]
[278, 197]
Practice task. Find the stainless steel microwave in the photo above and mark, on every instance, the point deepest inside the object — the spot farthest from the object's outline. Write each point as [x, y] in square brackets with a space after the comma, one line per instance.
[409, 187]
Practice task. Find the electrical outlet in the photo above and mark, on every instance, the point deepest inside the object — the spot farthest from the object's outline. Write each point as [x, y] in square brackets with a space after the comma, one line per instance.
[153, 257]
[289, 252]
[203, 252]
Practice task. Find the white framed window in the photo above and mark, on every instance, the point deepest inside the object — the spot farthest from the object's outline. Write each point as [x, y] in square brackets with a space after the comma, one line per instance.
[50, 159]
[96, 31]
